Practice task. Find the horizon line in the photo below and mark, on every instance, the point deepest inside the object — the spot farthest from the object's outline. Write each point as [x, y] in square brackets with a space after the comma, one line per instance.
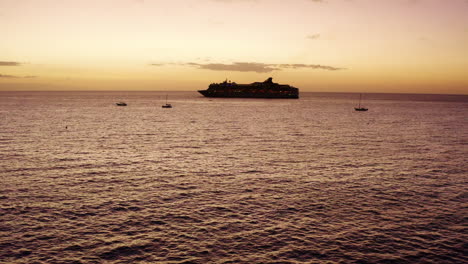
[347, 92]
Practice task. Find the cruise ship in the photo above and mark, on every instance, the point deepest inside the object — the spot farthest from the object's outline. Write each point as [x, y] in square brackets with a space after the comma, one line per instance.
[266, 89]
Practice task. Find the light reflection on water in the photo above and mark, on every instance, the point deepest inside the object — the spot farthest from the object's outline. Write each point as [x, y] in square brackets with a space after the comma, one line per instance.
[232, 180]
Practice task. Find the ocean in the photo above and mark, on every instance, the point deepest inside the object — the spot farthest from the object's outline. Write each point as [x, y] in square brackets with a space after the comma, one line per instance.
[232, 180]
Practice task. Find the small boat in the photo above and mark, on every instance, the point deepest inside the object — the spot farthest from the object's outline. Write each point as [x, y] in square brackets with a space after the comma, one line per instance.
[360, 108]
[121, 104]
[167, 105]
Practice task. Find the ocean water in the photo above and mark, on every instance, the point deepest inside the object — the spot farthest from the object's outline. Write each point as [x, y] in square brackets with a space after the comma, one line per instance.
[232, 180]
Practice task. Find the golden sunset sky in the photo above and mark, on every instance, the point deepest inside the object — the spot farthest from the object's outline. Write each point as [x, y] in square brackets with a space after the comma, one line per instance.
[384, 46]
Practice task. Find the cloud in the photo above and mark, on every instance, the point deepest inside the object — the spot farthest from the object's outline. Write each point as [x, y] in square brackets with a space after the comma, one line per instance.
[311, 66]
[7, 76]
[251, 66]
[237, 66]
[14, 76]
[233, 1]
[313, 36]
[9, 63]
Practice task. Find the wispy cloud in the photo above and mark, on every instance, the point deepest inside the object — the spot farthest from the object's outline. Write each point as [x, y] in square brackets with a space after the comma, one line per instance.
[412, 2]
[313, 36]
[311, 66]
[423, 38]
[233, 1]
[9, 63]
[237, 66]
[15, 76]
[251, 66]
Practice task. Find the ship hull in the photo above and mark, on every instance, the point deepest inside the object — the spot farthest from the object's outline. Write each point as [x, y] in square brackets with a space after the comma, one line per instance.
[228, 94]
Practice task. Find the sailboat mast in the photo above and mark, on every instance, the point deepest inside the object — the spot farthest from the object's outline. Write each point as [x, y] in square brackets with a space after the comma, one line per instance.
[360, 96]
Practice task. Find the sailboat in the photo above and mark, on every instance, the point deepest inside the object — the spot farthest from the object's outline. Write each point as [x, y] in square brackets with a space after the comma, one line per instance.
[167, 105]
[359, 108]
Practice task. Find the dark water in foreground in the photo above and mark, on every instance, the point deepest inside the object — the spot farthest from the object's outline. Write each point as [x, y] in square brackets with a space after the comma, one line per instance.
[232, 180]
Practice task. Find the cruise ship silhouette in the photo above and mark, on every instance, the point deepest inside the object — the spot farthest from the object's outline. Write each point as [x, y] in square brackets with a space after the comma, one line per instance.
[266, 89]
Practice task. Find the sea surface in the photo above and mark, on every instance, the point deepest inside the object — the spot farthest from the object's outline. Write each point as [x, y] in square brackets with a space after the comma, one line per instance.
[232, 180]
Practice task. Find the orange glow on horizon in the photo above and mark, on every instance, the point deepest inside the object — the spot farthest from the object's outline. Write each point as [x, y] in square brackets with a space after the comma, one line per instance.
[337, 46]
